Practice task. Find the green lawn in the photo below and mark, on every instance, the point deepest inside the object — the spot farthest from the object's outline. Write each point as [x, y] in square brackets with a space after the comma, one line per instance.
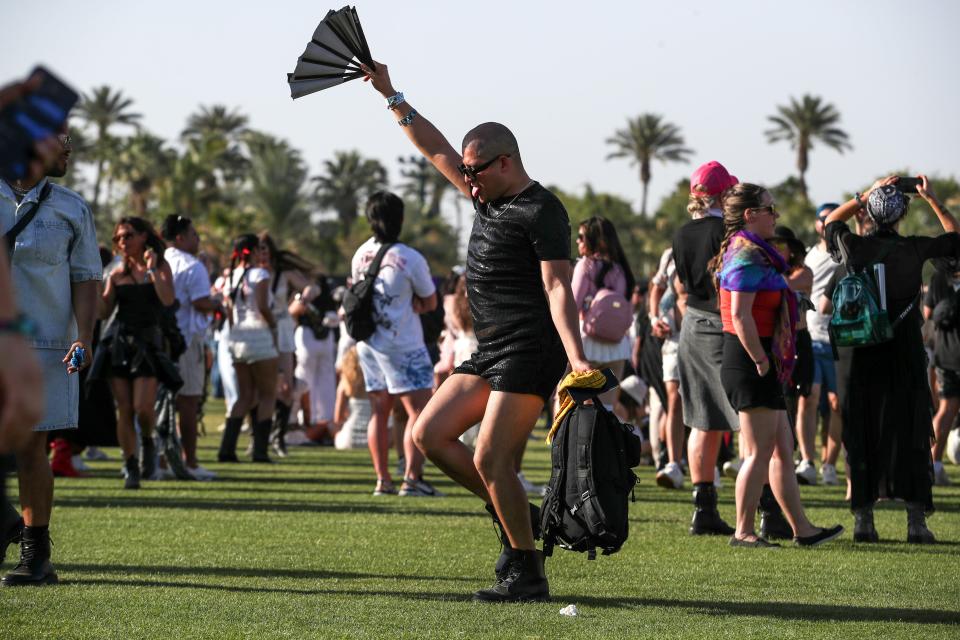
[301, 549]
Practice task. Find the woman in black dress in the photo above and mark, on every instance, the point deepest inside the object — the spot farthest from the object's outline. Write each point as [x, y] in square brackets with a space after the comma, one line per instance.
[888, 409]
[131, 353]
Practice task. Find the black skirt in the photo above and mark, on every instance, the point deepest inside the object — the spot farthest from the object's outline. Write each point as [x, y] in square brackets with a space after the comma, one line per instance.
[744, 387]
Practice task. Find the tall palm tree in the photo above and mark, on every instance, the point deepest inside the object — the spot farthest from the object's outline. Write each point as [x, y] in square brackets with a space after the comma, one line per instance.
[102, 109]
[800, 123]
[216, 119]
[218, 132]
[142, 160]
[647, 138]
[423, 182]
[347, 179]
[277, 176]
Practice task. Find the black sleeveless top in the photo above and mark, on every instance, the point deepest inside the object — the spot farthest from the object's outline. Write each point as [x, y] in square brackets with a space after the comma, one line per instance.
[138, 306]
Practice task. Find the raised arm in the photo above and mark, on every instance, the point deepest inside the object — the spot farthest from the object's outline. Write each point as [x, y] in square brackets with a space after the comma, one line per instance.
[425, 137]
[946, 218]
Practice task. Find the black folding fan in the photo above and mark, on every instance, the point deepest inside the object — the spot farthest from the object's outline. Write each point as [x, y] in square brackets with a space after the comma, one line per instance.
[331, 55]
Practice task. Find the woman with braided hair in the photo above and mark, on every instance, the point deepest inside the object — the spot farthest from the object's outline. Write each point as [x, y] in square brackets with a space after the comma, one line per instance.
[253, 348]
[759, 317]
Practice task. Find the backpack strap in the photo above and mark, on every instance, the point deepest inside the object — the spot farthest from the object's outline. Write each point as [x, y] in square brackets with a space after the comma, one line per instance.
[11, 235]
[587, 505]
[374, 267]
[556, 489]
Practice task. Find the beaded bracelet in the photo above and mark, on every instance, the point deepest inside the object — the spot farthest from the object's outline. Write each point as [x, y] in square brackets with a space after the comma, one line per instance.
[407, 119]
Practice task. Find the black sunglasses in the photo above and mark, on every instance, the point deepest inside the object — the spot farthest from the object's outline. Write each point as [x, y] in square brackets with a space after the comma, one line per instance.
[471, 172]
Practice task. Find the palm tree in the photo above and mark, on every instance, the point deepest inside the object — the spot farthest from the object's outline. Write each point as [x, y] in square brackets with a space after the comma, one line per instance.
[218, 133]
[277, 176]
[102, 109]
[347, 179]
[646, 138]
[423, 182]
[215, 120]
[141, 162]
[801, 123]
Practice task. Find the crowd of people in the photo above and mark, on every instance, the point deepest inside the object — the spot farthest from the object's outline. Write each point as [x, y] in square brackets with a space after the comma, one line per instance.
[725, 356]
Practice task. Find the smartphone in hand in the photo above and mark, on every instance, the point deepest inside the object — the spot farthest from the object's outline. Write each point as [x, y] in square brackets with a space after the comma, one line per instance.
[908, 185]
[33, 117]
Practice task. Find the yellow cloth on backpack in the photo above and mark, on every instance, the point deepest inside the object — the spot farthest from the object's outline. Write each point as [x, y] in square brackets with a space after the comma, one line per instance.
[592, 379]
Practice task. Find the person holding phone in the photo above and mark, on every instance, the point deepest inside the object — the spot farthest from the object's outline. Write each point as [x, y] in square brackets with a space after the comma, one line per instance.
[888, 409]
[55, 266]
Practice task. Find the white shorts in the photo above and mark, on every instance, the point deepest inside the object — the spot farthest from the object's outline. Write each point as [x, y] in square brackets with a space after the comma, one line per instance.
[251, 345]
[285, 329]
[192, 367]
[395, 372]
[671, 362]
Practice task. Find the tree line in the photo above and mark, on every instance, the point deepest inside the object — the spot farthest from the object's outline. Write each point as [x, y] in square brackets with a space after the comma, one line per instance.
[229, 178]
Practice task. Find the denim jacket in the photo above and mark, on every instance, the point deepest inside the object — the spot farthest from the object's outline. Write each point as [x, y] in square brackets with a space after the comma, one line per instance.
[57, 248]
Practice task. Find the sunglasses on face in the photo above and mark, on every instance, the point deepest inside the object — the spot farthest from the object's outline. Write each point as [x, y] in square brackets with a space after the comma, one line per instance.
[471, 172]
[770, 208]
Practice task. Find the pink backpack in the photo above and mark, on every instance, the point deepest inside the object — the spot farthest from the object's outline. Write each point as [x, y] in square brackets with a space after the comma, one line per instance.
[608, 317]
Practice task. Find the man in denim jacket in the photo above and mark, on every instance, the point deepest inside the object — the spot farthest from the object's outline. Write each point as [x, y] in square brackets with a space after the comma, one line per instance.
[55, 268]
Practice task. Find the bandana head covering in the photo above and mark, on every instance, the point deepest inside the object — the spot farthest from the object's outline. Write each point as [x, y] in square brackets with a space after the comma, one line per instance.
[886, 205]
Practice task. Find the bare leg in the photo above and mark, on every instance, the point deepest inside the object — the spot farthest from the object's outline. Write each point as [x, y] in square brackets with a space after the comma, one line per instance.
[508, 421]
[457, 405]
[187, 407]
[126, 434]
[807, 423]
[783, 479]
[942, 423]
[835, 430]
[413, 402]
[144, 397]
[702, 450]
[381, 404]
[264, 373]
[758, 427]
[675, 422]
[36, 481]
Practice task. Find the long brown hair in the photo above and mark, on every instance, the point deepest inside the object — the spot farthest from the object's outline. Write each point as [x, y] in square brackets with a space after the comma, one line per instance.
[736, 200]
[282, 260]
[600, 236]
[154, 241]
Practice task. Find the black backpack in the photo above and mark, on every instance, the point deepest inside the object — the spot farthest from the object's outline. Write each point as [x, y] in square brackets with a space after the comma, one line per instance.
[358, 301]
[585, 506]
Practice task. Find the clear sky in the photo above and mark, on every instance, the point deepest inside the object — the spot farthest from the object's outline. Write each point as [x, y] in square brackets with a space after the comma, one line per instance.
[563, 75]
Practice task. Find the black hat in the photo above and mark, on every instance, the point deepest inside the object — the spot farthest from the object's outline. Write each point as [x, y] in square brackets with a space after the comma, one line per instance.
[786, 234]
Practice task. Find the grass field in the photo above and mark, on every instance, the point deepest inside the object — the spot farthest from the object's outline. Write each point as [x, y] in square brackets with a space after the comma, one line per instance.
[301, 549]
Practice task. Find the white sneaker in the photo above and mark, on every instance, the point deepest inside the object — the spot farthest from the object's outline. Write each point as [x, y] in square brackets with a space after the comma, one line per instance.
[717, 483]
[940, 478]
[671, 476]
[829, 474]
[93, 453]
[806, 473]
[531, 488]
[418, 488]
[731, 468]
[78, 463]
[201, 474]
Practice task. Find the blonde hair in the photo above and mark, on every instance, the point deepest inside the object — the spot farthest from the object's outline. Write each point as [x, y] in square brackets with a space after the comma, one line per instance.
[352, 374]
[736, 200]
[698, 205]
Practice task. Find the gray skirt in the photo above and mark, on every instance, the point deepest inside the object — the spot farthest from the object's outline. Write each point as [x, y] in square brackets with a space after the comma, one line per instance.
[705, 403]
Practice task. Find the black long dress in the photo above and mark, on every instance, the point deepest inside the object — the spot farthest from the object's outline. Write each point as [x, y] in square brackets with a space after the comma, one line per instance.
[887, 410]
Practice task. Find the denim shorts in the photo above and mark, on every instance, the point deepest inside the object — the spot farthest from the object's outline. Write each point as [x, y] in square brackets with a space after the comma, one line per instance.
[396, 373]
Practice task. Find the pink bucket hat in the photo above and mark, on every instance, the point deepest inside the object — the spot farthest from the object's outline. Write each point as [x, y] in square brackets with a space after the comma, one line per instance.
[711, 179]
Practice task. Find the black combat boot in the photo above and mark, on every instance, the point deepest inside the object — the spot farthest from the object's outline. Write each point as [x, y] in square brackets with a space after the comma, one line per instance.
[278, 438]
[505, 540]
[11, 527]
[917, 531]
[773, 524]
[523, 580]
[132, 467]
[863, 528]
[148, 458]
[261, 440]
[34, 568]
[706, 519]
[228, 443]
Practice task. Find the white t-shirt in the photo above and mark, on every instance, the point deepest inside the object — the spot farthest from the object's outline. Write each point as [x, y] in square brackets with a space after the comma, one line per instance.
[246, 312]
[403, 274]
[191, 282]
[823, 268]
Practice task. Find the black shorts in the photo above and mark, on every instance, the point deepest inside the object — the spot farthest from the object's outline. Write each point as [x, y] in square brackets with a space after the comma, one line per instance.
[744, 387]
[801, 380]
[948, 383]
[533, 368]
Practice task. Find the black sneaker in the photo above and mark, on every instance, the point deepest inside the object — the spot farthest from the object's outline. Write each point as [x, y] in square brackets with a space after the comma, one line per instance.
[759, 543]
[523, 580]
[34, 568]
[132, 468]
[11, 534]
[825, 535]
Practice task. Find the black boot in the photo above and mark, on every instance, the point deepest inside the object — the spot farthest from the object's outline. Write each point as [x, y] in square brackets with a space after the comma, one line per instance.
[34, 567]
[505, 540]
[706, 519]
[132, 466]
[523, 580]
[863, 528]
[11, 526]
[261, 440]
[917, 531]
[148, 458]
[228, 443]
[278, 438]
[773, 524]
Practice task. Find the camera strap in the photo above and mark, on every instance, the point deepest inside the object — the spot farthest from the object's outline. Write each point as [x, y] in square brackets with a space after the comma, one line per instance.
[11, 235]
